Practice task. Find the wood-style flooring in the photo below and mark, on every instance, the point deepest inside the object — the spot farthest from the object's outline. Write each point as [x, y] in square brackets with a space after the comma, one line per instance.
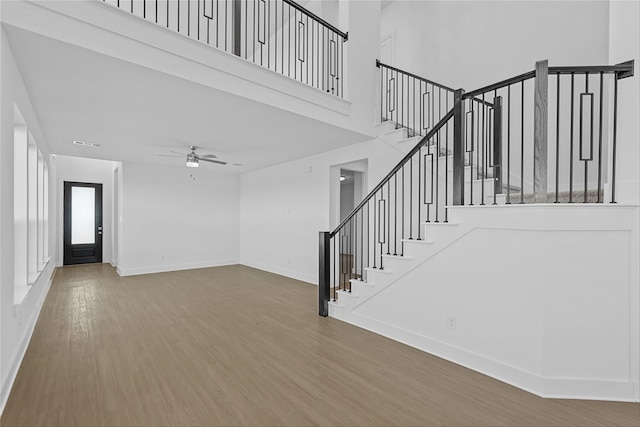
[231, 346]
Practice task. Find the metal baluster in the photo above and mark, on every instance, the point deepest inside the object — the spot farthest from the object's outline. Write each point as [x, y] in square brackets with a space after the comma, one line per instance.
[446, 164]
[381, 95]
[402, 220]
[471, 149]
[424, 177]
[395, 215]
[388, 218]
[368, 231]
[483, 172]
[522, 143]
[434, 176]
[413, 109]
[268, 35]
[352, 250]
[341, 67]
[411, 199]
[282, 37]
[614, 138]
[361, 243]
[508, 202]
[418, 205]
[375, 227]
[598, 200]
[336, 278]
[557, 137]
[306, 47]
[437, 156]
[586, 165]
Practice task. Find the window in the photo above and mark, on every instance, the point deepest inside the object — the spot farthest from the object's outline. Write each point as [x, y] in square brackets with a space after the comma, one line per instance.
[30, 209]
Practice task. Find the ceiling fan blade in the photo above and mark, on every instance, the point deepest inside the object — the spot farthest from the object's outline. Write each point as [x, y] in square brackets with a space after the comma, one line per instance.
[207, 156]
[180, 154]
[220, 162]
[168, 155]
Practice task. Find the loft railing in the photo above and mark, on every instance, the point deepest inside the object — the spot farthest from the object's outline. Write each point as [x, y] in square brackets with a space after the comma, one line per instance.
[514, 141]
[279, 35]
[411, 101]
[554, 137]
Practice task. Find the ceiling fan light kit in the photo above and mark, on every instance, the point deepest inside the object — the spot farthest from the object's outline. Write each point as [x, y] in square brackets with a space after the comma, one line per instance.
[193, 158]
[192, 161]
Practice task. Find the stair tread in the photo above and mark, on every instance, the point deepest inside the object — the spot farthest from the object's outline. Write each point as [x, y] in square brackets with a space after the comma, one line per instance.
[423, 241]
[398, 257]
[381, 270]
[362, 282]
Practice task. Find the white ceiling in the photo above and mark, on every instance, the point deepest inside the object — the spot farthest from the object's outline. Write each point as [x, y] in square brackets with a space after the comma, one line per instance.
[136, 113]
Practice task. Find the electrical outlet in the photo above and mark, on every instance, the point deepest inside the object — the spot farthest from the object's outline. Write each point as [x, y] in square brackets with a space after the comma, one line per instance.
[452, 322]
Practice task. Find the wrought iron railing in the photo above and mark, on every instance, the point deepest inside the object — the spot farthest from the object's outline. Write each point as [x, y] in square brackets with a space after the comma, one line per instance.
[493, 146]
[411, 101]
[280, 35]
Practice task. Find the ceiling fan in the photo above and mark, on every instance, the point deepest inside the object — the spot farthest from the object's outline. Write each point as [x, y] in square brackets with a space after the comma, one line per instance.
[193, 158]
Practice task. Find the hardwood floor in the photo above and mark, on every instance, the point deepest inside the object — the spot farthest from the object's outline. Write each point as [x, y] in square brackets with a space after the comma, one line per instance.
[238, 346]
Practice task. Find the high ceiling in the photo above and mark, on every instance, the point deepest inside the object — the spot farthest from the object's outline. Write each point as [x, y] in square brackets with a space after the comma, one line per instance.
[136, 113]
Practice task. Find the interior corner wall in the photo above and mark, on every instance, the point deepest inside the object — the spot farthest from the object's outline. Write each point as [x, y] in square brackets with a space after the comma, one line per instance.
[77, 169]
[285, 206]
[177, 218]
[469, 44]
[624, 45]
[17, 320]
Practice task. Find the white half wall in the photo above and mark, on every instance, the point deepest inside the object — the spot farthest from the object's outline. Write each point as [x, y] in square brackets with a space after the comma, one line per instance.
[543, 297]
[176, 218]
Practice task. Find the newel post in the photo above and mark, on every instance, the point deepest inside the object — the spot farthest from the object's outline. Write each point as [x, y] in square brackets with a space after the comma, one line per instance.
[540, 131]
[458, 147]
[324, 279]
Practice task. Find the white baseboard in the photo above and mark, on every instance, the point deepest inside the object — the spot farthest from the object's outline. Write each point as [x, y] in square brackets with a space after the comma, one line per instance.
[558, 388]
[283, 272]
[173, 267]
[21, 350]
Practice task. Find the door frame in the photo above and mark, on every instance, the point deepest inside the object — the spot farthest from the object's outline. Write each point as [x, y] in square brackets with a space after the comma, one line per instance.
[66, 224]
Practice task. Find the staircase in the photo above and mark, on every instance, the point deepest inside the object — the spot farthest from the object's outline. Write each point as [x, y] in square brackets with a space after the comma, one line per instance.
[463, 249]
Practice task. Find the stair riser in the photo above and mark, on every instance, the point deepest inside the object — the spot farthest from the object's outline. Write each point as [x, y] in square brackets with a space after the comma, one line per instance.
[417, 248]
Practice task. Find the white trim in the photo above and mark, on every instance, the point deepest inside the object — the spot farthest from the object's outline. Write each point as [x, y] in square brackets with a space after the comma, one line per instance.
[24, 344]
[547, 387]
[283, 272]
[173, 267]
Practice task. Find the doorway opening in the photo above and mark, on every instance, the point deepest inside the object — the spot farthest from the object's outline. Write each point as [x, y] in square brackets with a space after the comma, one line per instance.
[348, 188]
[82, 223]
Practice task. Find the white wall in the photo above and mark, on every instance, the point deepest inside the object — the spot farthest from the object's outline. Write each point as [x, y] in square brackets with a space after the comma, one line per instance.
[531, 306]
[17, 321]
[624, 44]
[77, 169]
[285, 206]
[468, 44]
[175, 218]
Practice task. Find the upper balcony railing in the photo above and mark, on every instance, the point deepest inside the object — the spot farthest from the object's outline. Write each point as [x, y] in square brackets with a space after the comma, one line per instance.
[277, 34]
